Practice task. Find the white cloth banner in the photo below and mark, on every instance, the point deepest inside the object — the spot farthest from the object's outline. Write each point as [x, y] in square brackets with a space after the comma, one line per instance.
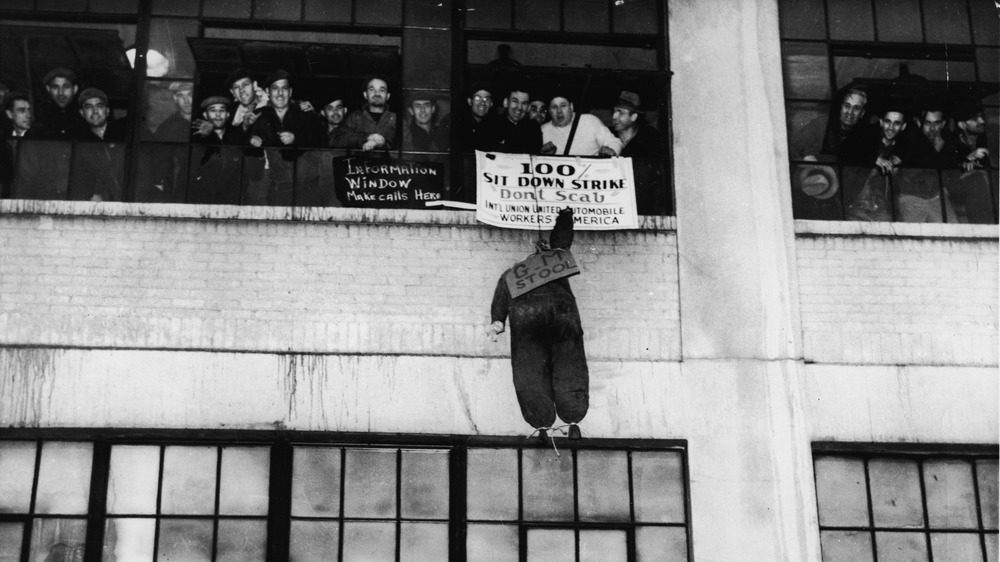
[527, 192]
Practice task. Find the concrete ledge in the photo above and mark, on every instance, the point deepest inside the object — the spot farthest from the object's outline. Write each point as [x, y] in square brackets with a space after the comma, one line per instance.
[897, 229]
[280, 214]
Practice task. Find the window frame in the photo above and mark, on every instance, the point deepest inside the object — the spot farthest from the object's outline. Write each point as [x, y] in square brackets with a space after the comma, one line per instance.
[281, 445]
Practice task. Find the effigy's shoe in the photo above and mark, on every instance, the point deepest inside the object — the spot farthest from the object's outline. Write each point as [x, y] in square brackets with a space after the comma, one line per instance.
[543, 437]
[574, 432]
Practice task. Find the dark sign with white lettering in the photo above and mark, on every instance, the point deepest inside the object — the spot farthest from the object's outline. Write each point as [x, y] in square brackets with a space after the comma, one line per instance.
[540, 268]
[397, 184]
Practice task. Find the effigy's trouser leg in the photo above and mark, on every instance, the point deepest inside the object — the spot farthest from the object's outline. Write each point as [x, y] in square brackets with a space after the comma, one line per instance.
[570, 379]
[531, 364]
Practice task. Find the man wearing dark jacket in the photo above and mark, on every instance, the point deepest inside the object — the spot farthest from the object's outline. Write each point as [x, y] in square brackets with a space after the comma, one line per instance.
[546, 338]
[219, 157]
[57, 117]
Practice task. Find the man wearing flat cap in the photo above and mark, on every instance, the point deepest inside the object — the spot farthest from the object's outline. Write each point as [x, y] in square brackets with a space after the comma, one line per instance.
[333, 117]
[98, 166]
[282, 129]
[217, 159]
[421, 131]
[57, 117]
[178, 127]
[638, 138]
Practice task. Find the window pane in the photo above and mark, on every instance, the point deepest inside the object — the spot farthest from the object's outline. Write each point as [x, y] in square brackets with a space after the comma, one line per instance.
[370, 483]
[970, 195]
[58, 539]
[603, 486]
[840, 492]
[316, 482]
[840, 546]
[114, 6]
[898, 20]
[97, 171]
[658, 486]
[242, 541]
[895, 493]
[379, 12]
[588, 16]
[423, 541]
[802, 19]
[951, 499]
[901, 547]
[807, 73]
[635, 16]
[245, 474]
[428, 13]
[542, 54]
[539, 15]
[548, 485]
[11, 535]
[948, 21]
[984, 24]
[277, 9]
[547, 545]
[163, 173]
[314, 541]
[851, 20]
[175, 7]
[369, 542]
[422, 71]
[132, 480]
[189, 480]
[424, 486]
[986, 474]
[497, 543]
[185, 539]
[328, 10]
[169, 38]
[64, 478]
[490, 14]
[956, 546]
[42, 170]
[491, 490]
[129, 539]
[62, 5]
[17, 464]
[227, 9]
[992, 546]
[660, 544]
[603, 546]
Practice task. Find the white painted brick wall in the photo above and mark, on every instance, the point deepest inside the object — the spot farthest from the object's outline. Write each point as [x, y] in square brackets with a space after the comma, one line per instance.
[898, 300]
[412, 283]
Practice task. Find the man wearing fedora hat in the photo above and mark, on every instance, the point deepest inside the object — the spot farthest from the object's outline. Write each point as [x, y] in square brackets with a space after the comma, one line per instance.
[638, 138]
[421, 131]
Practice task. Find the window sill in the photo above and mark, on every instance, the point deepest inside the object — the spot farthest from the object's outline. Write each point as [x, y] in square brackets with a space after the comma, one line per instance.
[805, 228]
[336, 215]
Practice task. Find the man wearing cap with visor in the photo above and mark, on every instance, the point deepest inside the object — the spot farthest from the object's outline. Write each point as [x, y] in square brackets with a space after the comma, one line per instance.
[638, 138]
[56, 117]
[220, 160]
[97, 115]
[333, 114]
[98, 166]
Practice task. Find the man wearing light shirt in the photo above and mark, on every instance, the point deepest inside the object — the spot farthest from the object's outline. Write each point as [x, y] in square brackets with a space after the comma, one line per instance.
[590, 137]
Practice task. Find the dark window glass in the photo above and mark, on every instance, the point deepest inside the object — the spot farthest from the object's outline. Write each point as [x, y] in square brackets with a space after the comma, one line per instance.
[290, 10]
[175, 7]
[541, 15]
[226, 9]
[62, 5]
[113, 6]
[807, 71]
[428, 13]
[587, 16]
[950, 21]
[421, 70]
[803, 19]
[850, 20]
[328, 10]
[379, 12]
[898, 20]
[638, 16]
[488, 14]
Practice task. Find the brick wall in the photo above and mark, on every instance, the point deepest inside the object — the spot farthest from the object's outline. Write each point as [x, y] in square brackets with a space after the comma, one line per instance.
[343, 281]
[869, 298]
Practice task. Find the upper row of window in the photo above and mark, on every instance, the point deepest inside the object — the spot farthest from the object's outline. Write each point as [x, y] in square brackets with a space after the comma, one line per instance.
[892, 106]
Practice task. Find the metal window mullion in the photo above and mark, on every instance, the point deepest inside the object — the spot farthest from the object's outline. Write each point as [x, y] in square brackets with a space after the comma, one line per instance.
[611, 16]
[871, 510]
[925, 509]
[343, 478]
[97, 504]
[159, 503]
[218, 494]
[923, 20]
[522, 530]
[30, 522]
[576, 503]
[279, 509]
[458, 465]
[871, 3]
[979, 508]
[130, 173]
[399, 501]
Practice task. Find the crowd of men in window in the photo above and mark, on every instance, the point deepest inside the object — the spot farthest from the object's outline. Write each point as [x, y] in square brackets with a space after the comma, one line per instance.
[251, 142]
[903, 156]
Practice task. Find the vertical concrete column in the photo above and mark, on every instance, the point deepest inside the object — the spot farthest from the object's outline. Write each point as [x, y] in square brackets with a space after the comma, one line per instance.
[750, 469]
